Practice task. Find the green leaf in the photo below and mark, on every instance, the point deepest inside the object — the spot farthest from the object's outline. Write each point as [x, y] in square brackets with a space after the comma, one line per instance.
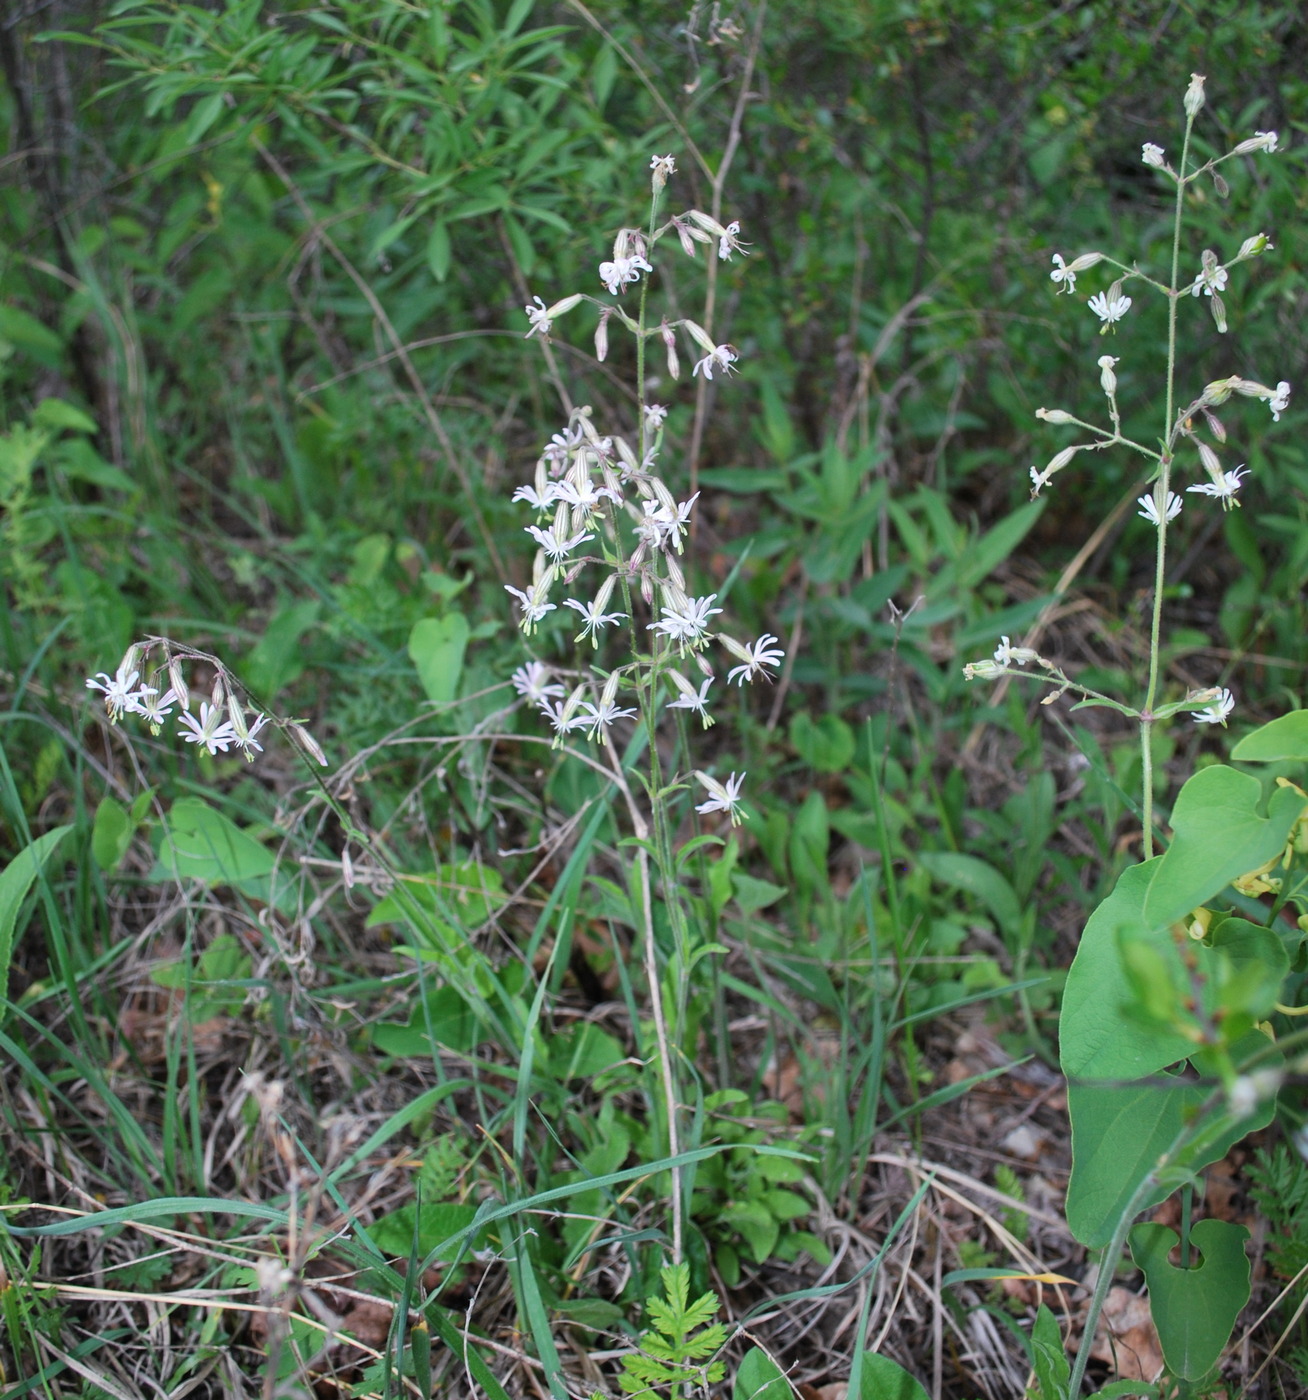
[1097, 1037]
[977, 878]
[881, 1378]
[1119, 1132]
[1194, 1309]
[1283, 738]
[760, 1378]
[753, 895]
[198, 842]
[436, 647]
[111, 833]
[56, 415]
[1049, 1358]
[434, 1224]
[826, 744]
[276, 659]
[15, 881]
[1218, 836]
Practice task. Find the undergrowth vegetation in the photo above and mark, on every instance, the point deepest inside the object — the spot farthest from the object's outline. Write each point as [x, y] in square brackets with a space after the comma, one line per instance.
[528, 901]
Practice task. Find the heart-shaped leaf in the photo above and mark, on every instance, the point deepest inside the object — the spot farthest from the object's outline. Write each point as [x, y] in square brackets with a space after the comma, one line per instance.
[1194, 1309]
[1218, 836]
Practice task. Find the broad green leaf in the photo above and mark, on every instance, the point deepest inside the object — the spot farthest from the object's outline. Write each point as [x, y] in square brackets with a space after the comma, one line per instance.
[198, 842]
[442, 1016]
[1098, 1039]
[111, 833]
[434, 1224]
[1194, 1309]
[436, 647]
[975, 877]
[880, 1378]
[276, 659]
[15, 881]
[826, 744]
[1283, 738]
[1218, 836]
[753, 894]
[759, 1377]
[1119, 1132]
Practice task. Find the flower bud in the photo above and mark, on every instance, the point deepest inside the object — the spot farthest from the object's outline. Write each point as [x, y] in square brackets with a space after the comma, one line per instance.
[1107, 379]
[1253, 247]
[1054, 415]
[670, 343]
[177, 682]
[1215, 425]
[602, 337]
[1194, 95]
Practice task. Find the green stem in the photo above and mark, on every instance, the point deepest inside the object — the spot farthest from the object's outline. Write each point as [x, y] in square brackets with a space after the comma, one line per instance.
[1161, 491]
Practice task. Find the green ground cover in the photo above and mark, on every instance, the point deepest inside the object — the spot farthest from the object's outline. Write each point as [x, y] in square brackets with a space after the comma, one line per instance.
[447, 1047]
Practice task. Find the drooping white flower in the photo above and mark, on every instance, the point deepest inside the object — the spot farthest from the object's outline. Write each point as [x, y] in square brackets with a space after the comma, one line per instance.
[586, 496]
[723, 797]
[555, 543]
[1152, 155]
[1149, 508]
[598, 718]
[120, 696]
[156, 708]
[687, 622]
[537, 500]
[533, 605]
[1006, 655]
[756, 658]
[1223, 489]
[729, 242]
[562, 715]
[1259, 141]
[1063, 274]
[1107, 375]
[1110, 306]
[594, 615]
[655, 416]
[1217, 711]
[721, 357]
[539, 318]
[1280, 400]
[211, 730]
[248, 741]
[662, 167]
[621, 271]
[688, 698]
[532, 682]
[1211, 278]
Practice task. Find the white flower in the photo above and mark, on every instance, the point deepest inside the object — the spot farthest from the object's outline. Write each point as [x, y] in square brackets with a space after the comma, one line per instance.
[1064, 274]
[155, 707]
[247, 741]
[1217, 711]
[599, 717]
[1278, 403]
[556, 547]
[757, 659]
[539, 318]
[561, 715]
[211, 730]
[730, 242]
[533, 604]
[1223, 489]
[595, 617]
[533, 683]
[585, 497]
[1211, 279]
[616, 274]
[536, 499]
[688, 622]
[721, 357]
[663, 167]
[1006, 655]
[119, 697]
[1259, 141]
[655, 416]
[1107, 377]
[723, 797]
[1110, 306]
[690, 698]
[1149, 508]
[1152, 155]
